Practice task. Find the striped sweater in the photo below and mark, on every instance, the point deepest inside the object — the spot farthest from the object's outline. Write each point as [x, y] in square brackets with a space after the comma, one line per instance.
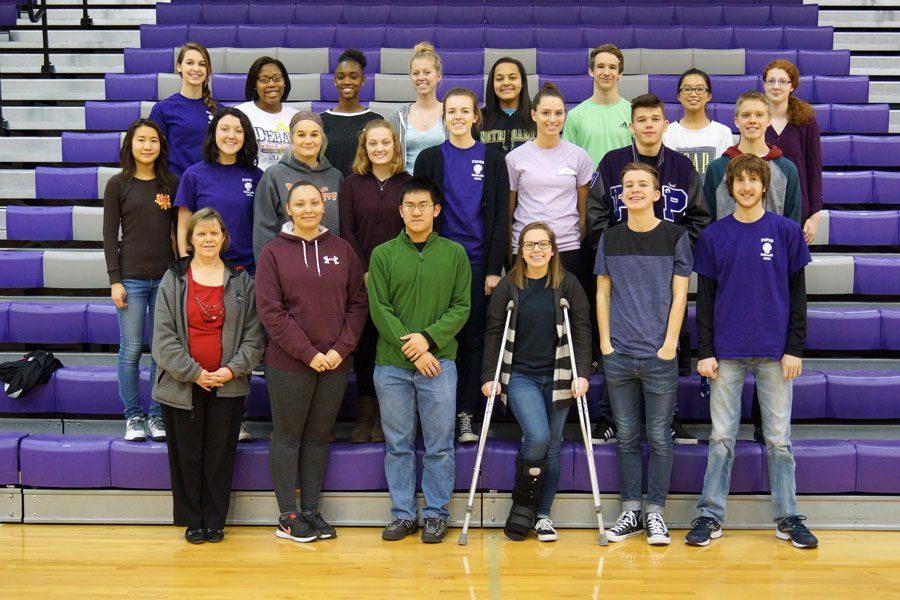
[569, 289]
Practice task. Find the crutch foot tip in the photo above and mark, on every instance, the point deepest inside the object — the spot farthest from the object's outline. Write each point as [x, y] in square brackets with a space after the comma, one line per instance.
[604, 541]
[463, 540]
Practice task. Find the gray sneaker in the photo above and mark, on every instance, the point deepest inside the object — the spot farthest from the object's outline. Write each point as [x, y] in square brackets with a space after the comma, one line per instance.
[157, 429]
[464, 426]
[134, 430]
[435, 530]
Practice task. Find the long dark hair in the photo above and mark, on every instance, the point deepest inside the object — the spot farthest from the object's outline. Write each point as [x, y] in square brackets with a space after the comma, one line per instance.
[246, 156]
[492, 111]
[165, 181]
[250, 92]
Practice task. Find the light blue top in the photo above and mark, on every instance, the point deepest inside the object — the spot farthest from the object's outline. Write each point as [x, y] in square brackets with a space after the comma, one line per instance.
[416, 141]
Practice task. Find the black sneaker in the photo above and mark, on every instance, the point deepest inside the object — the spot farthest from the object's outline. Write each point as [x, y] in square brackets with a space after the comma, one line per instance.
[657, 532]
[604, 432]
[792, 528]
[399, 529]
[680, 434]
[629, 524]
[195, 535]
[293, 527]
[702, 529]
[318, 522]
[435, 530]
[215, 535]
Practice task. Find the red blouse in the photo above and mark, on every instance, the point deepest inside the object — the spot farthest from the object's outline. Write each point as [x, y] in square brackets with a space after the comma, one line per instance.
[205, 315]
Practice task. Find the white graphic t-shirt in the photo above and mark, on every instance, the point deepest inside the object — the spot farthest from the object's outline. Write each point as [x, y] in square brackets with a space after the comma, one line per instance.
[272, 131]
[702, 146]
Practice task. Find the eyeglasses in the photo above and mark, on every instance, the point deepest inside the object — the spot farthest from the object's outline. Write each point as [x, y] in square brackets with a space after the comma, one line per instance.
[777, 82]
[543, 245]
[687, 91]
[421, 206]
[265, 79]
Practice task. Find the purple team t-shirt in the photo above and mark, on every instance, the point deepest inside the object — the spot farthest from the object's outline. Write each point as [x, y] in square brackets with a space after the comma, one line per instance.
[463, 187]
[229, 189]
[184, 123]
[751, 264]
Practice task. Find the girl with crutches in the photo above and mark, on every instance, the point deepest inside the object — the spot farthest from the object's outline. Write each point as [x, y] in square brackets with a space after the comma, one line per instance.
[536, 371]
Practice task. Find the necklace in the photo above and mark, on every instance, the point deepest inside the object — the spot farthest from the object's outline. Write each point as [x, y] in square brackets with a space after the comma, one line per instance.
[426, 117]
[210, 312]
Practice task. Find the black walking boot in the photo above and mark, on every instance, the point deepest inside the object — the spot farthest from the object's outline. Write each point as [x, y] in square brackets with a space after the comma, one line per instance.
[529, 477]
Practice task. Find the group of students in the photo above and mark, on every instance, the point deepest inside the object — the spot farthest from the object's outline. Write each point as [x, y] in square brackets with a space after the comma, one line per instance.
[399, 243]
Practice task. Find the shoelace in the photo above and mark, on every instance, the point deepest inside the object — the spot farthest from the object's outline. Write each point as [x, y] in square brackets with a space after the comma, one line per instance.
[794, 522]
[405, 523]
[655, 525]
[707, 522]
[544, 524]
[465, 422]
[626, 520]
[432, 523]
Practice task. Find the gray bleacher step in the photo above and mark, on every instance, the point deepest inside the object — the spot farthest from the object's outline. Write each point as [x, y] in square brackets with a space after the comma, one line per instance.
[16, 184]
[854, 3]
[884, 91]
[63, 63]
[54, 89]
[101, 16]
[31, 149]
[894, 126]
[863, 19]
[74, 38]
[881, 66]
[33, 426]
[57, 118]
[871, 41]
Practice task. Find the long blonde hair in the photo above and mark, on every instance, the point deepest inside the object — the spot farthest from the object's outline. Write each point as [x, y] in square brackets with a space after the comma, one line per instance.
[555, 269]
[361, 163]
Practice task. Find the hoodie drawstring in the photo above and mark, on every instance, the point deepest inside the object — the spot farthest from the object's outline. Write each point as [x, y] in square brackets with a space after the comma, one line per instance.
[304, 255]
[318, 269]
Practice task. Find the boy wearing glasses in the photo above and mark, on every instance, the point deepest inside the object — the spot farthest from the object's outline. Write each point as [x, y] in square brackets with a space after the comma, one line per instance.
[419, 300]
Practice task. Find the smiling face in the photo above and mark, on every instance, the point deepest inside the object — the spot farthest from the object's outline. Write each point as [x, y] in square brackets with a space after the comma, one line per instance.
[747, 189]
[694, 94]
[207, 238]
[305, 207]
[459, 115]
[777, 84]
[536, 248]
[229, 136]
[606, 71]
[419, 211]
[380, 145]
[648, 125]
[145, 145]
[424, 76]
[549, 115]
[270, 86]
[307, 141]
[507, 85]
[193, 68]
[752, 119]
[638, 190]
[348, 79]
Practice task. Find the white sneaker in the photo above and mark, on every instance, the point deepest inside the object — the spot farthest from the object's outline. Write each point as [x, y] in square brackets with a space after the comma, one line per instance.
[545, 531]
[464, 426]
[244, 435]
[657, 532]
[157, 429]
[134, 430]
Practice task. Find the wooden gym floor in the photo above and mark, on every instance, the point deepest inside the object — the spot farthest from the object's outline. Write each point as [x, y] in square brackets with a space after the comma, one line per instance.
[69, 561]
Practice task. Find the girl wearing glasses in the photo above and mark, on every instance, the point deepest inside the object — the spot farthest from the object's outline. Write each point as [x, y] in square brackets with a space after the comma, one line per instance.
[795, 130]
[535, 379]
[268, 86]
[695, 135]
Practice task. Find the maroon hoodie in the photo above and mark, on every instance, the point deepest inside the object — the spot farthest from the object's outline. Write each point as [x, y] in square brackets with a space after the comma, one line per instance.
[310, 297]
[370, 211]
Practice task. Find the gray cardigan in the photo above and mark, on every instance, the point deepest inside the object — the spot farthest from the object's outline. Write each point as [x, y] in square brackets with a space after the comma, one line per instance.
[399, 119]
[243, 341]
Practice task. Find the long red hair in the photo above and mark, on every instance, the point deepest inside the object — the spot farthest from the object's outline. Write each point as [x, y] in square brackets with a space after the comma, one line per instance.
[799, 112]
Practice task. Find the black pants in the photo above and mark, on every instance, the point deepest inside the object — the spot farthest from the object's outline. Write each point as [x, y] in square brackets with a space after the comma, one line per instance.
[202, 444]
[364, 360]
[305, 406]
[470, 350]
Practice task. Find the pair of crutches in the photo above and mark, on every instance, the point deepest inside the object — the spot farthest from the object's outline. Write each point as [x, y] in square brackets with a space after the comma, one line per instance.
[583, 420]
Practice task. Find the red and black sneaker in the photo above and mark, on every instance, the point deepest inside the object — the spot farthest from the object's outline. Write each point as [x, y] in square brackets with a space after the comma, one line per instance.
[292, 527]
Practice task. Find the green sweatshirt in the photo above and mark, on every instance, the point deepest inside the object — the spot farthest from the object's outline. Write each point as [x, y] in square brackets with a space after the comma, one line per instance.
[418, 292]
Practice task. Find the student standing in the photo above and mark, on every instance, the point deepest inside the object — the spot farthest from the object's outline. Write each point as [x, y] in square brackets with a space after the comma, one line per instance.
[344, 122]
[207, 340]
[419, 300]
[420, 124]
[536, 381]
[751, 316]
[225, 180]
[184, 116]
[643, 268]
[314, 311]
[268, 88]
[507, 122]
[306, 161]
[600, 123]
[695, 135]
[474, 184]
[795, 130]
[138, 202]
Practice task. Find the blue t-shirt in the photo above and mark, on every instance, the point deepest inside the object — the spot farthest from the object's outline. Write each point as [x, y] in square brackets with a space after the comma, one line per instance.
[640, 266]
[229, 189]
[751, 264]
[184, 123]
[463, 186]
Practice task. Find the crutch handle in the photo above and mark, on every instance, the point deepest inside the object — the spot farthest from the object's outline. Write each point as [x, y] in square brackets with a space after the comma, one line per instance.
[563, 303]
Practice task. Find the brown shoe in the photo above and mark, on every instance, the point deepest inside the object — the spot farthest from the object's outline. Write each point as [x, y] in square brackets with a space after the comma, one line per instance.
[366, 409]
[377, 433]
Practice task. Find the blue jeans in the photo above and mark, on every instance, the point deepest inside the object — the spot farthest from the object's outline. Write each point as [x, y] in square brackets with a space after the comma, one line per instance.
[403, 396]
[775, 398]
[626, 378]
[140, 296]
[531, 400]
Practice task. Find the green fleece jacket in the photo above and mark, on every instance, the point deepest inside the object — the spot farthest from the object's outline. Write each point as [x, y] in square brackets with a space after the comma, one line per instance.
[423, 292]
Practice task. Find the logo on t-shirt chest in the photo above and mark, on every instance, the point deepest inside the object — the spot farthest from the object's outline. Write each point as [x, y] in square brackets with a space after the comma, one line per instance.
[768, 248]
[248, 186]
[478, 170]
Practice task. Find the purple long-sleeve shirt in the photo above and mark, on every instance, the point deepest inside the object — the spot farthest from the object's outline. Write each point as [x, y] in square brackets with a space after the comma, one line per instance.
[802, 145]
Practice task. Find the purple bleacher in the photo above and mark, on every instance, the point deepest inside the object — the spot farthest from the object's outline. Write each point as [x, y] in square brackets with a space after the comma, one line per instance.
[860, 118]
[606, 465]
[890, 329]
[472, 82]
[81, 147]
[837, 151]
[111, 116]
[669, 37]
[822, 467]
[556, 14]
[458, 62]
[847, 89]
[823, 117]
[258, 399]
[659, 15]
[272, 14]
[809, 38]
[885, 187]
[127, 86]
[847, 187]
[689, 468]
[163, 36]
[329, 93]
[50, 323]
[755, 60]
[368, 14]
[515, 36]
[178, 14]
[809, 396]
[213, 36]
[851, 329]
[561, 62]
[139, 466]
[321, 14]
[758, 38]
[309, 36]
[622, 36]
[876, 276]
[148, 60]
[691, 406]
[359, 36]
[824, 62]
[355, 468]
[559, 36]
[802, 15]
[9, 457]
[261, 36]
[751, 15]
[874, 228]
[251, 467]
[407, 36]
[57, 461]
[4, 322]
[862, 394]
[709, 38]
[87, 389]
[21, 269]
[689, 14]
[229, 86]
[877, 465]
[9, 14]
[498, 468]
[218, 14]
[102, 325]
[507, 14]
[604, 15]
[32, 223]
[806, 89]
[876, 151]
[460, 14]
[574, 88]
[414, 15]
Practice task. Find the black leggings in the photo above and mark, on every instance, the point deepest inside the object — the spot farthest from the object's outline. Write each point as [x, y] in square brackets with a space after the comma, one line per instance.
[305, 405]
